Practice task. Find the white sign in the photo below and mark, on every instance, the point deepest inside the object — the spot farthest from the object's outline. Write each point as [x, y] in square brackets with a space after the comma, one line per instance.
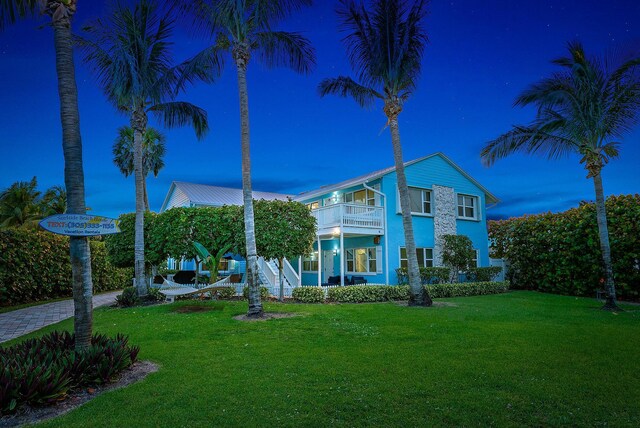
[80, 225]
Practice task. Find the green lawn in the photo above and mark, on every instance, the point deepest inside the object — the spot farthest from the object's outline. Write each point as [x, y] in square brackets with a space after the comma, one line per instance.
[520, 358]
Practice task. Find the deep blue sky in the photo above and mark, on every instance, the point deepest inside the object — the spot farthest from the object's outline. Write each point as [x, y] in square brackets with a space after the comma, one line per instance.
[480, 56]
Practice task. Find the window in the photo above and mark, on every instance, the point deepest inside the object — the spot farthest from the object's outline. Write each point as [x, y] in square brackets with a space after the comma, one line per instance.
[310, 263]
[314, 205]
[475, 258]
[361, 260]
[467, 207]
[420, 200]
[425, 257]
[364, 197]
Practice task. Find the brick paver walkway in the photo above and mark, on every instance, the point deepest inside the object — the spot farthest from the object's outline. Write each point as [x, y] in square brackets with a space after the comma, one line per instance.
[22, 321]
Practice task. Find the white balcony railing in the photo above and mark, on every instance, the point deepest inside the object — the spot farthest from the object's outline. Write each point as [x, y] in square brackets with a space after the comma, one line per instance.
[349, 216]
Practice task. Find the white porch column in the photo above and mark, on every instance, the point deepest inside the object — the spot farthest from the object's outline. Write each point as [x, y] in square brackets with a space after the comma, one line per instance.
[341, 258]
[299, 271]
[319, 262]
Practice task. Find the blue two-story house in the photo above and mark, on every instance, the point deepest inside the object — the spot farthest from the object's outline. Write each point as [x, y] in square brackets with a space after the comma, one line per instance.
[360, 226]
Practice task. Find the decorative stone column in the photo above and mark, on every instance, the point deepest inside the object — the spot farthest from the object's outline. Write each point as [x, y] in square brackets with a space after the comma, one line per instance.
[444, 218]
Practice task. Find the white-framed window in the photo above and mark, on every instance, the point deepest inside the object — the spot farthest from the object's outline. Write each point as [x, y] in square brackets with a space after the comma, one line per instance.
[313, 205]
[310, 263]
[468, 207]
[420, 200]
[363, 196]
[476, 258]
[361, 260]
[425, 257]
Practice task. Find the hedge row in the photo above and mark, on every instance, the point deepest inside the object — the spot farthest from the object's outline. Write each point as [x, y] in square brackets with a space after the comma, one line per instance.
[384, 293]
[560, 253]
[440, 275]
[34, 266]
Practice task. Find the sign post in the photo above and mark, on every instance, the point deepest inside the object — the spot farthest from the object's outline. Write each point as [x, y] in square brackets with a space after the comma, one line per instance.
[80, 225]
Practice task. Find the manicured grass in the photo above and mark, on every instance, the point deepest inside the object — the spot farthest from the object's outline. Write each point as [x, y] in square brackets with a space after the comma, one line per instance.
[516, 359]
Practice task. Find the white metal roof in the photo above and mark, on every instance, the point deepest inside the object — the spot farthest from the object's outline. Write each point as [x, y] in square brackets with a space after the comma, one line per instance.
[202, 194]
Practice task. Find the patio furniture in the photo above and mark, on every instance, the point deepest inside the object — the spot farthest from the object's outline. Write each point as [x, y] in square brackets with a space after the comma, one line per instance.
[333, 280]
[358, 280]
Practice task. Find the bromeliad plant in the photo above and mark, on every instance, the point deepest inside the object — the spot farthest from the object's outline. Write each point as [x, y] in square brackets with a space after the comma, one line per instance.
[43, 370]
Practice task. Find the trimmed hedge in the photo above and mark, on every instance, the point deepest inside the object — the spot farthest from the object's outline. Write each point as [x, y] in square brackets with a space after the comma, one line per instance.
[42, 371]
[308, 294]
[464, 289]
[560, 253]
[428, 275]
[384, 293]
[35, 266]
[483, 274]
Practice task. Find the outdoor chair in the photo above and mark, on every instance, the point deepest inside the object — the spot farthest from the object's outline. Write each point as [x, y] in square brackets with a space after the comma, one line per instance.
[358, 280]
[333, 280]
[185, 277]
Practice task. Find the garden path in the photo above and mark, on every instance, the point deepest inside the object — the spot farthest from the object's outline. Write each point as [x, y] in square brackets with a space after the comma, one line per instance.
[22, 321]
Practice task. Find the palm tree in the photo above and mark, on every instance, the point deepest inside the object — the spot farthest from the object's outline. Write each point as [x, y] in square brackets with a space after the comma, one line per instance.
[581, 109]
[385, 47]
[54, 201]
[61, 13]
[153, 150]
[130, 55]
[244, 28]
[19, 205]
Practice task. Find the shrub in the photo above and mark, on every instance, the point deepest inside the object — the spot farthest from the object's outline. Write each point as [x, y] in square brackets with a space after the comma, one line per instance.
[428, 275]
[357, 294]
[396, 292]
[153, 294]
[41, 371]
[308, 294]
[467, 289]
[128, 298]
[560, 253]
[35, 267]
[457, 253]
[483, 274]
[226, 293]
[264, 292]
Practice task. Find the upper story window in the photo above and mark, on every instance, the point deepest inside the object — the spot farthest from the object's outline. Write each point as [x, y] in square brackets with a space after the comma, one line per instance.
[468, 207]
[313, 205]
[363, 196]
[420, 200]
[425, 257]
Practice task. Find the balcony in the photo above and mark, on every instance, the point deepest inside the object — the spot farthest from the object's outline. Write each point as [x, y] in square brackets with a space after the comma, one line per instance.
[351, 219]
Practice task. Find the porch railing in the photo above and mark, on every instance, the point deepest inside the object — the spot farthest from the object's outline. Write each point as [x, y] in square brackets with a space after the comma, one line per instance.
[349, 215]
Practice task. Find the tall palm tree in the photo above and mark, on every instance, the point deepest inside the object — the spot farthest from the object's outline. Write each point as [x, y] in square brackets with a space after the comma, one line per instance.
[19, 205]
[385, 46]
[581, 109]
[130, 54]
[153, 150]
[243, 29]
[61, 13]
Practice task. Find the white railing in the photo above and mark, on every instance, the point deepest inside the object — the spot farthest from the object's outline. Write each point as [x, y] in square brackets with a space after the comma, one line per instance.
[349, 215]
[269, 272]
[290, 274]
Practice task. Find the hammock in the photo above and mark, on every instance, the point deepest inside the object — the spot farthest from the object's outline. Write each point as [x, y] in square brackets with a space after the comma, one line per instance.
[172, 289]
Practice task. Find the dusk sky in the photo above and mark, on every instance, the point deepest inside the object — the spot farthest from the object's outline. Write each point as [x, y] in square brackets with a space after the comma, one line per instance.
[481, 55]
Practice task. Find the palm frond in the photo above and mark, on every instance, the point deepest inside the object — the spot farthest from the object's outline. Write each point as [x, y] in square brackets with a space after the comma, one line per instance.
[285, 49]
[12, 11]
[179, 113]
[346, 87]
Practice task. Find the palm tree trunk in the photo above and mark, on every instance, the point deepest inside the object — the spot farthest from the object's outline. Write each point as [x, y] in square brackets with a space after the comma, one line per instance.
[419, 296]
[605, 247]
[146, 195]
[79, 250]
[255, 305]
[139, 125]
